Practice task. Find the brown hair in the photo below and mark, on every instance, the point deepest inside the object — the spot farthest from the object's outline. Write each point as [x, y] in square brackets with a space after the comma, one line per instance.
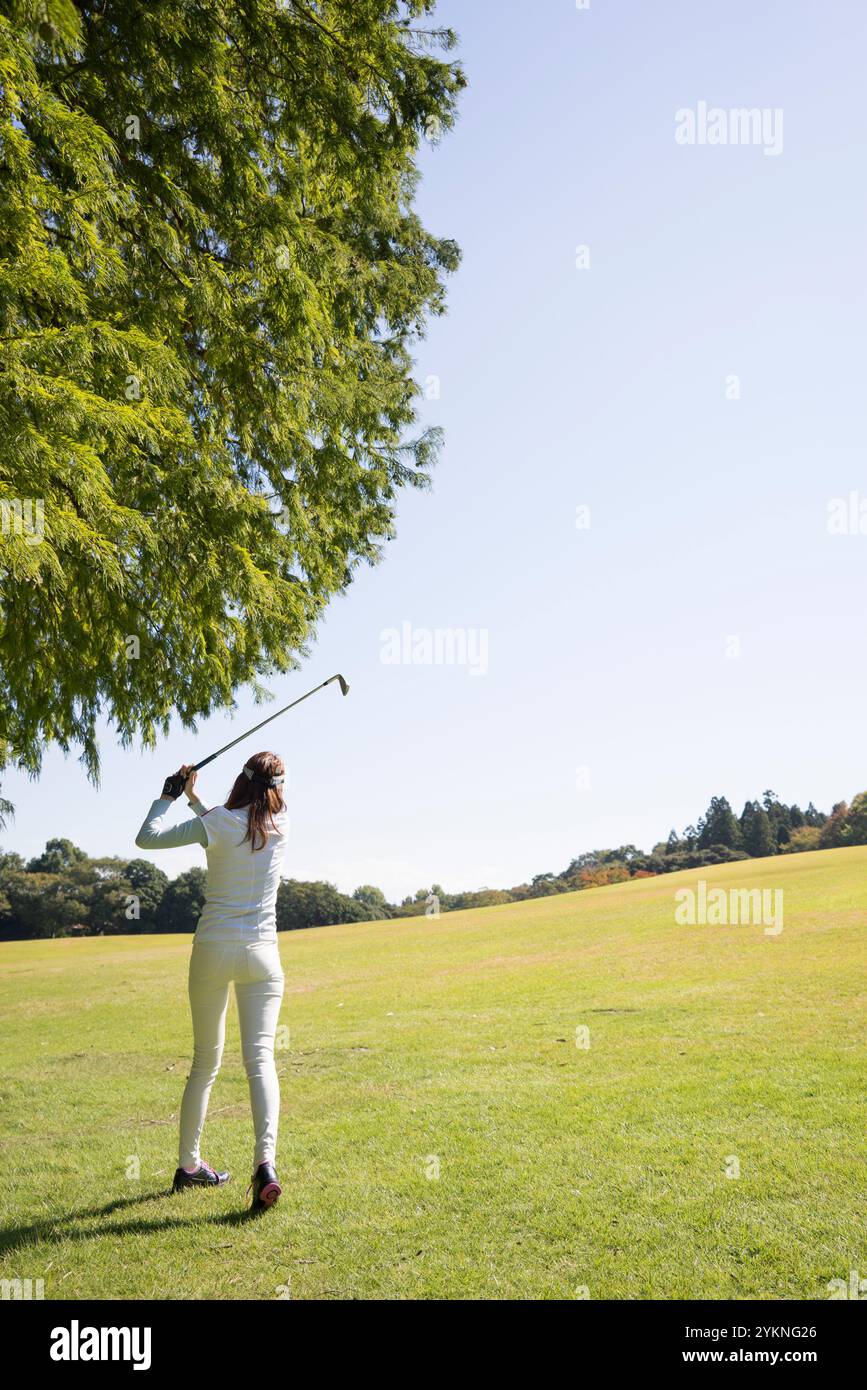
[263, 801]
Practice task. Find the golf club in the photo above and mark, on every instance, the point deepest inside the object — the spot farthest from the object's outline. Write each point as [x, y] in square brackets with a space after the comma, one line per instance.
[174, 785]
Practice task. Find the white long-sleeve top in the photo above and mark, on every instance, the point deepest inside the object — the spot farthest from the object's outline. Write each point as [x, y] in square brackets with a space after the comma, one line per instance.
[155, 834]
[241, 894]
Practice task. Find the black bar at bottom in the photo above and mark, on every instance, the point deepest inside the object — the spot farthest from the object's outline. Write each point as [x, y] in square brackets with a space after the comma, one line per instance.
[196, 1337]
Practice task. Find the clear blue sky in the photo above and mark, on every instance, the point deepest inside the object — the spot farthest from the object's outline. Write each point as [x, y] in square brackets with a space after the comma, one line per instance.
[602, 387]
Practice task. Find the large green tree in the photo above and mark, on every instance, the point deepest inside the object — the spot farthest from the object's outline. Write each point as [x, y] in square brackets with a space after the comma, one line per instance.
[211, 279]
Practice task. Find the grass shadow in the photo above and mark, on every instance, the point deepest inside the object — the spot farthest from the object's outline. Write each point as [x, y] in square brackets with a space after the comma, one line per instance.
[57, 1230]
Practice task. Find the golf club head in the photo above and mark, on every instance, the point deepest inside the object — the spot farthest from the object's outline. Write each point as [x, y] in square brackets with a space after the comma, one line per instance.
[343, 686]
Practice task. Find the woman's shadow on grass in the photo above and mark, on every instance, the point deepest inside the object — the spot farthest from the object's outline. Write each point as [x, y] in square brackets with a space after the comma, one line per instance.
[62, 1228]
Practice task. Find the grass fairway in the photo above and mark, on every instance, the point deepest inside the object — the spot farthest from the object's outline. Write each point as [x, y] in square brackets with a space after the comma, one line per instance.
[449, 1046]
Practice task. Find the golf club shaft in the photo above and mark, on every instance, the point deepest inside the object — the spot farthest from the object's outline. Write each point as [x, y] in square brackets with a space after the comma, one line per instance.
[275, 715]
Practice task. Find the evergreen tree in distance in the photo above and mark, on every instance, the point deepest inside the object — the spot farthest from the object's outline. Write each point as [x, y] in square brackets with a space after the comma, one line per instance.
[719, 826]
[756, 831]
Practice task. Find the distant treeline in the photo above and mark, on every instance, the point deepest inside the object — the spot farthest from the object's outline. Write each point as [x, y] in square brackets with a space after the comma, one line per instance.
[63, 892]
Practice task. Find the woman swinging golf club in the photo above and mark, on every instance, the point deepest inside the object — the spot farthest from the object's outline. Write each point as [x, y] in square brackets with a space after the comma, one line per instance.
[236, 939]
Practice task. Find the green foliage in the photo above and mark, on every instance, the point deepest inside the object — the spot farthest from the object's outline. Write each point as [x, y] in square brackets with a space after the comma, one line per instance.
[183, 901]
[149, 884]
[757, 831]
[63, 890]
[485, 897]
[211, 278]
[315, 905]
[39, 903]
[109, 907]
[719, 826]
[834, 830]
[855, 829]
[374, 902]
[59, 856]
[806, 837]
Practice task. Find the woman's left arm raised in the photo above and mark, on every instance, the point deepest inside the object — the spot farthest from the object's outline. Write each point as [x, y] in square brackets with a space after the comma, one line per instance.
[155, 835]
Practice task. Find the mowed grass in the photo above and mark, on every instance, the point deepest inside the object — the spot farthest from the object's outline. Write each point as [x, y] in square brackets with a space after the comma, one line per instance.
[443, 1136]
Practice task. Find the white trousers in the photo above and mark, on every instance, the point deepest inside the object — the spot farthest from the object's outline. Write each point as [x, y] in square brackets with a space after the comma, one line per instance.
[258, 975]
